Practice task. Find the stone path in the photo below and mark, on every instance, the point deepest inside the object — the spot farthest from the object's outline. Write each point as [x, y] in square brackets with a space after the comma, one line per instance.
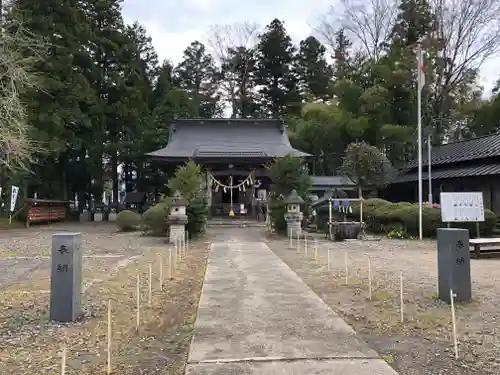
[256, 316]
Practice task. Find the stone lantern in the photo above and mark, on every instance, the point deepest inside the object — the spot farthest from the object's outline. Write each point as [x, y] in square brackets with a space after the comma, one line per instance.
[293, 216]
[177, 218]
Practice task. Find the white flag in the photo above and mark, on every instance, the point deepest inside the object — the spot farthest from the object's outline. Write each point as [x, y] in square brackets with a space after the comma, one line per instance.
[421, 71]
[13, 197]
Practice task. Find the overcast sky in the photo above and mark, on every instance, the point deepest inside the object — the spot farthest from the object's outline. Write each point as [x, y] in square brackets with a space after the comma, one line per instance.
[174, 24]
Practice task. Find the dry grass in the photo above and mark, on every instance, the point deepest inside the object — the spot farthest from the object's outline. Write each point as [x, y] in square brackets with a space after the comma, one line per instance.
[422, 344]
[159, 346]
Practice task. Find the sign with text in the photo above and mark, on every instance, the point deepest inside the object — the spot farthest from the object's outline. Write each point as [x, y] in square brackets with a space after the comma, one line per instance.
[13, 197]
[453, 259]
[462, 207]
[66, 277]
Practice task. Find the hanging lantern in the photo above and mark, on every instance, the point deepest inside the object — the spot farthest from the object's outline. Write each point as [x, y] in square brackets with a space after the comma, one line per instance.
[225, 190]
[244, 188]
[216, 188]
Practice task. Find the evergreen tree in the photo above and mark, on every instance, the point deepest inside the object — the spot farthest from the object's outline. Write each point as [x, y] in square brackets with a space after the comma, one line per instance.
[315, 75]
[414, 22]
[240, 66]
[275, 56]
[110, 77]
[197, 75]
[341, 55]
[60, 112]
[140, 70]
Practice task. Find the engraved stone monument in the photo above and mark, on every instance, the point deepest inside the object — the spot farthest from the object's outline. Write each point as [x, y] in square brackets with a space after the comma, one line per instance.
[177, 218]
[66, 277]
[293, 216]
[453, 254]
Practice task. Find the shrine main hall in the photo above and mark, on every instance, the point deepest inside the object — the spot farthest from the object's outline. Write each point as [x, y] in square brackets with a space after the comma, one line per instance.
[233, 153]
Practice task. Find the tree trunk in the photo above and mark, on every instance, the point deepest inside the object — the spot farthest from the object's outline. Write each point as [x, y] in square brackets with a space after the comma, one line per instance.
[114, 176]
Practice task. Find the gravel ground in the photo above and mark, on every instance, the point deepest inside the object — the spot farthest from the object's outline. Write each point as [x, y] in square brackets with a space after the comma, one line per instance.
[110, 265]
[423, 344]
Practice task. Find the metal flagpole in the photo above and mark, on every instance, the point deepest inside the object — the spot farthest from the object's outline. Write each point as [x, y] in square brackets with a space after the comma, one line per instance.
[419, 128]
[429, 176]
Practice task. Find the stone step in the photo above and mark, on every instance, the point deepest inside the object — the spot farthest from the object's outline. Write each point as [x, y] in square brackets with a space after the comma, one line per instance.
[235, 224]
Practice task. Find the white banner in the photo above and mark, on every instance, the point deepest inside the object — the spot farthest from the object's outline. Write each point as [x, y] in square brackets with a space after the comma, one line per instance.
[13, 197]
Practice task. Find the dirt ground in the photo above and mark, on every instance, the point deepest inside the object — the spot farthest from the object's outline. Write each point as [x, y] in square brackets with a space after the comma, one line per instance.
[423, 344]
[31, 344]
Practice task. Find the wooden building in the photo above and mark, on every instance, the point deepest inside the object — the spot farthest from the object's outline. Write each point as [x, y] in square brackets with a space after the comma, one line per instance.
[233, 153]
[471, 165]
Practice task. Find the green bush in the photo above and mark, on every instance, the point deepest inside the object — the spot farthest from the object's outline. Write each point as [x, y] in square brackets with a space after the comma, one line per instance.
[128, 221]
[401, 219]
[197, 213]
[154, 219]
[277, 211]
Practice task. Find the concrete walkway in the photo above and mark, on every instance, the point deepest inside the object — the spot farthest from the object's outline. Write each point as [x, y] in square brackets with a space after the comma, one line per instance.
[256, 316]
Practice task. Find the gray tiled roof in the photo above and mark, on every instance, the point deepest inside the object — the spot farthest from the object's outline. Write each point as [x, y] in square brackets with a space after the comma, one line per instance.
[227, 138]
[474, 170]
[331, 181]
[476, 148]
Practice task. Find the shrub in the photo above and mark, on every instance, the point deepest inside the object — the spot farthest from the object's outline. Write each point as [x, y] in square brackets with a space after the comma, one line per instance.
[155, 219]
[401, 219]
[188, 180]
[128, 221]
[369, 206]
[197, 212]
[277, 210]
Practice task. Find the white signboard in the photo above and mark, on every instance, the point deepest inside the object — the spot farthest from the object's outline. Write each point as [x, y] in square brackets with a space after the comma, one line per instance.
[13, 197]
[462, 207]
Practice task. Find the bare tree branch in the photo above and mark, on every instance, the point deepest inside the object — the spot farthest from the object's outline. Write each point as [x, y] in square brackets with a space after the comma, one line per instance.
[468, 32]
[470, 35]
[367, 24]
[17, 148]
[223, 38]
[224, 41]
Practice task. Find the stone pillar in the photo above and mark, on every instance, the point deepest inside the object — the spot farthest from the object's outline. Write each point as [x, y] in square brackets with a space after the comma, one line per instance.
[294, 216]
[453, 258]
[177, 219]
[66, 277]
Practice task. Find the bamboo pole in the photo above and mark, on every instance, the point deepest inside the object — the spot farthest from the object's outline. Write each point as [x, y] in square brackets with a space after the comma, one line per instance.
[170, 268]
[454, 323]
[328, 258]
[369, 279]
[346, 270]
[161, 272]
[109, 337]
[138, 303]
[150, 286]
[401, 300]
[63, 362]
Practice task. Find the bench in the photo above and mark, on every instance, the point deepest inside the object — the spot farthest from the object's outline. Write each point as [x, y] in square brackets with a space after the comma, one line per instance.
[480, 243]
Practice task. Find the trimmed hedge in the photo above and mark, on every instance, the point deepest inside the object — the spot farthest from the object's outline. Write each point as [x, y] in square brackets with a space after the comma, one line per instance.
[154, 219]
[128, 221]
[401, 219]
